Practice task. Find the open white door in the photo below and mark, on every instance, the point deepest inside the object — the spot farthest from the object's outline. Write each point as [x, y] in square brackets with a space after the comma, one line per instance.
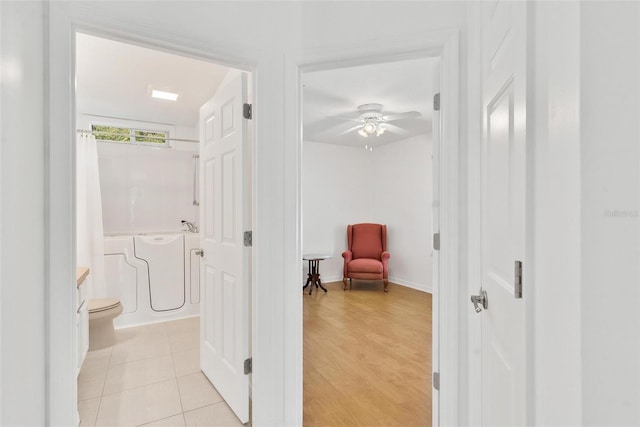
[224, 312]
[503, 213]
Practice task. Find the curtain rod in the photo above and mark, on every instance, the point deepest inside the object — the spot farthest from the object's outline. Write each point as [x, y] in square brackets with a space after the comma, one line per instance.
[142, 136]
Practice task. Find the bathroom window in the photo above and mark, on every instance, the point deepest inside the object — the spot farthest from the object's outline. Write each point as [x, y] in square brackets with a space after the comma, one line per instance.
[129, 135]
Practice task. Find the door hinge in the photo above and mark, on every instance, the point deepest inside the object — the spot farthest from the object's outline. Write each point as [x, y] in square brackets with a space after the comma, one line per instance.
[517, 282]
[436, 380]
[247, 111]
[248, 238]
[436, 102]
[248, 366]
[436, 241]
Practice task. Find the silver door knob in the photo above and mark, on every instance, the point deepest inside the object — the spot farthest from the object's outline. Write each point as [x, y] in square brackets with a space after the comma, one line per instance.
[480, 301]
[199, 252]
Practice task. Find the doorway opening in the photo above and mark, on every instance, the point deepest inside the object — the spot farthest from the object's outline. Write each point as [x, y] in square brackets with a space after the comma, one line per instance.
[367, 353]
[144, 213]
[445, 330]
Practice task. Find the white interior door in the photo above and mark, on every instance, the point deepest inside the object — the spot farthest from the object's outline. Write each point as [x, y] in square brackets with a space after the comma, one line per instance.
[224, 316]
[503, 221]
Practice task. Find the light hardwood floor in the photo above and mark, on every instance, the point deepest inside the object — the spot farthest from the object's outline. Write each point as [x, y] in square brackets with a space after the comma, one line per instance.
[367, 356]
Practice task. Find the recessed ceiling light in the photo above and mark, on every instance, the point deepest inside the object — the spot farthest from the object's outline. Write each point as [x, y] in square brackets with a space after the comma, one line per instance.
[170, 96]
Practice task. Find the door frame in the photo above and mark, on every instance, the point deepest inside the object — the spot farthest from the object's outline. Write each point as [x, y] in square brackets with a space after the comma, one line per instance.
[443, 44]
[60, 140]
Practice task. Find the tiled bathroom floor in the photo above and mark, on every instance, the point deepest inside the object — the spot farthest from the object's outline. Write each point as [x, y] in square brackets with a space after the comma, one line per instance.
[151, 377]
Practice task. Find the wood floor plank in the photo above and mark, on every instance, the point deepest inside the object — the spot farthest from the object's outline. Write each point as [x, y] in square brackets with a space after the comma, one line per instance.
[367, 356]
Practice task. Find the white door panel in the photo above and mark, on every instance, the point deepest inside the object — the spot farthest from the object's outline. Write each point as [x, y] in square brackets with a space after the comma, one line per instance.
[503, 222]
[224, 300]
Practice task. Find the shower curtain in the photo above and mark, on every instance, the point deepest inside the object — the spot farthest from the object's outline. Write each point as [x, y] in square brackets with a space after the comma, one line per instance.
[89, 227]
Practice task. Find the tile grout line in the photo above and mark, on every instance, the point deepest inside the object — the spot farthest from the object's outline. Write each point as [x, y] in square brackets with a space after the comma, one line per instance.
[140, 360]
[175, 377]
[184, 418]
[206, 405]
[164, 335]
[95, 421]
[175, 372]
[138, 387]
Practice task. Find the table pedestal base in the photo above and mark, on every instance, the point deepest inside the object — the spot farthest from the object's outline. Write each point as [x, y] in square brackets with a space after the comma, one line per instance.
[313, 277]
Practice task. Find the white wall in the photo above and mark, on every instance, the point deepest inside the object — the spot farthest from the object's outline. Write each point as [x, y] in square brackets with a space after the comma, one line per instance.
[391, 185]
[402, 185]
[22, 153]
[554, 279]
[145, 189]
[336, 191]
[610, 112]
[83, 251]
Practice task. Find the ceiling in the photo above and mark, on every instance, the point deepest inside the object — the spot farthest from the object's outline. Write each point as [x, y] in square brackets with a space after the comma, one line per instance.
[114, 79]
[400, 86]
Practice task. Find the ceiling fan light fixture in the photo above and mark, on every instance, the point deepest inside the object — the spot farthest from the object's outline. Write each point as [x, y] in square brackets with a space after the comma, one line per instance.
[369, 127]
[372, 121]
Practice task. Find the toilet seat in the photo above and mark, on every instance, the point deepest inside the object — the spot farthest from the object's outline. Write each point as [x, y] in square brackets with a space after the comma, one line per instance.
[102, 311]
[103, 304]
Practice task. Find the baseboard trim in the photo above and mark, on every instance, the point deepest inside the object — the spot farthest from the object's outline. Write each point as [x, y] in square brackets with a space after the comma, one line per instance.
[393, 280]
[331, 279]
[412, 285]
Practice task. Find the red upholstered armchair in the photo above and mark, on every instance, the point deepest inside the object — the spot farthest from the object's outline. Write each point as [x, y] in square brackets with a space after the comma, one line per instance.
[367, 257]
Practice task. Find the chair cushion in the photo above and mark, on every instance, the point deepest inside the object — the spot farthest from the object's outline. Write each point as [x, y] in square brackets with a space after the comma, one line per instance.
[367, 241]
[365, 265]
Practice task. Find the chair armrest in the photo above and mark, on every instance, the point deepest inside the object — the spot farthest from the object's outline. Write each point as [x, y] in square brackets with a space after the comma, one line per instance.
[385, 264]
[347, 255]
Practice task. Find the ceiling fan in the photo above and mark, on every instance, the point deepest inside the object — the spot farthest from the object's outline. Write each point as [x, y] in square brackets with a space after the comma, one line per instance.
[372, 121]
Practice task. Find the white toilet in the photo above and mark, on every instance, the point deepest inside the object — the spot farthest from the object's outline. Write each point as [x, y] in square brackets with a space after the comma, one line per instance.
[102, 311]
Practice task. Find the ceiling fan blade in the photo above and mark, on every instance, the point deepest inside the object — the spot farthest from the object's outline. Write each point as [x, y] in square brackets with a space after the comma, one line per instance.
[407, 115]
[351, 129]
[347, 118]
[395, 129]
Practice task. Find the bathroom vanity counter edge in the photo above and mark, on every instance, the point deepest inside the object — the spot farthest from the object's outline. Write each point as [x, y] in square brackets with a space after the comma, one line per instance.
[81, 274]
